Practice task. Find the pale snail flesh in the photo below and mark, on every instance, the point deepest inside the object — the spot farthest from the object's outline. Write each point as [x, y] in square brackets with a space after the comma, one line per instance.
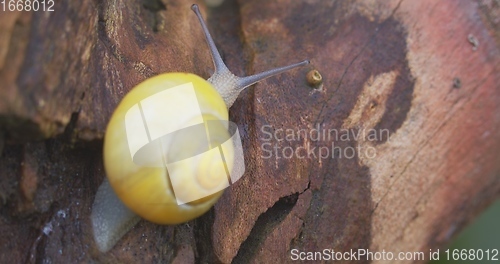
[133, 191]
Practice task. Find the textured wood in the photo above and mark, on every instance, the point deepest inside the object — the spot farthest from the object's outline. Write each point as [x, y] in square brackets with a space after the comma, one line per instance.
[406, 67]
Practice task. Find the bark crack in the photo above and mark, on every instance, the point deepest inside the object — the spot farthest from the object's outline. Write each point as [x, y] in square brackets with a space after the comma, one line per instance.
[265, 225]
[154, 6]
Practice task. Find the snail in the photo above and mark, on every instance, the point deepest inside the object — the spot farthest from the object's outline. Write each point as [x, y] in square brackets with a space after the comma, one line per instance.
[138, 183]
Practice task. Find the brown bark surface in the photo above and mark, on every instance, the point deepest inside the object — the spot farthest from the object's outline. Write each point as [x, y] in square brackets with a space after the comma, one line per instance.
[425, 71]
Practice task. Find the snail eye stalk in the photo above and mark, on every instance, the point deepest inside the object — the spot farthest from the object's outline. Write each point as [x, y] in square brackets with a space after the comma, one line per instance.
[224, 81]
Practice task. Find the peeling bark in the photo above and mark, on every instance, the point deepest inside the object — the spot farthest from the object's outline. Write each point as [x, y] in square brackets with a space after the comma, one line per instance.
[405, 67]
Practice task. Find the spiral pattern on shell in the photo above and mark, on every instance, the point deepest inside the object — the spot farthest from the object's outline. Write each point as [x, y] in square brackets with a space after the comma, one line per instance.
[162, 150]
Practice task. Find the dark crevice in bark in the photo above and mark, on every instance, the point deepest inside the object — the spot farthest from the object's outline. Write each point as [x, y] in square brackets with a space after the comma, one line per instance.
[154, 6]
[70, 127]
[202, 229]
[263, 226]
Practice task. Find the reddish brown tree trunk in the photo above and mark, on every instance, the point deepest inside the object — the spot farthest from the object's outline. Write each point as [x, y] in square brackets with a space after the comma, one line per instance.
[425, 72]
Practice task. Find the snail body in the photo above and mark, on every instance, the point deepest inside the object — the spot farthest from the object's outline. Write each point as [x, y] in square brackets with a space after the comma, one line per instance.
[145, 178]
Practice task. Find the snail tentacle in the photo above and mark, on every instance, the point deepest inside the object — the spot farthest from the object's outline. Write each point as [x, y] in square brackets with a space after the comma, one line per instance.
[225, 82]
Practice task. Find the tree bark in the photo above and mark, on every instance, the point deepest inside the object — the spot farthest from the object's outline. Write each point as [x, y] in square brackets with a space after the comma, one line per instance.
[414, 83]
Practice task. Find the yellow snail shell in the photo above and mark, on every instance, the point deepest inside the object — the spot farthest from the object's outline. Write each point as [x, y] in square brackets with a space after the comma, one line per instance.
[141, 187]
